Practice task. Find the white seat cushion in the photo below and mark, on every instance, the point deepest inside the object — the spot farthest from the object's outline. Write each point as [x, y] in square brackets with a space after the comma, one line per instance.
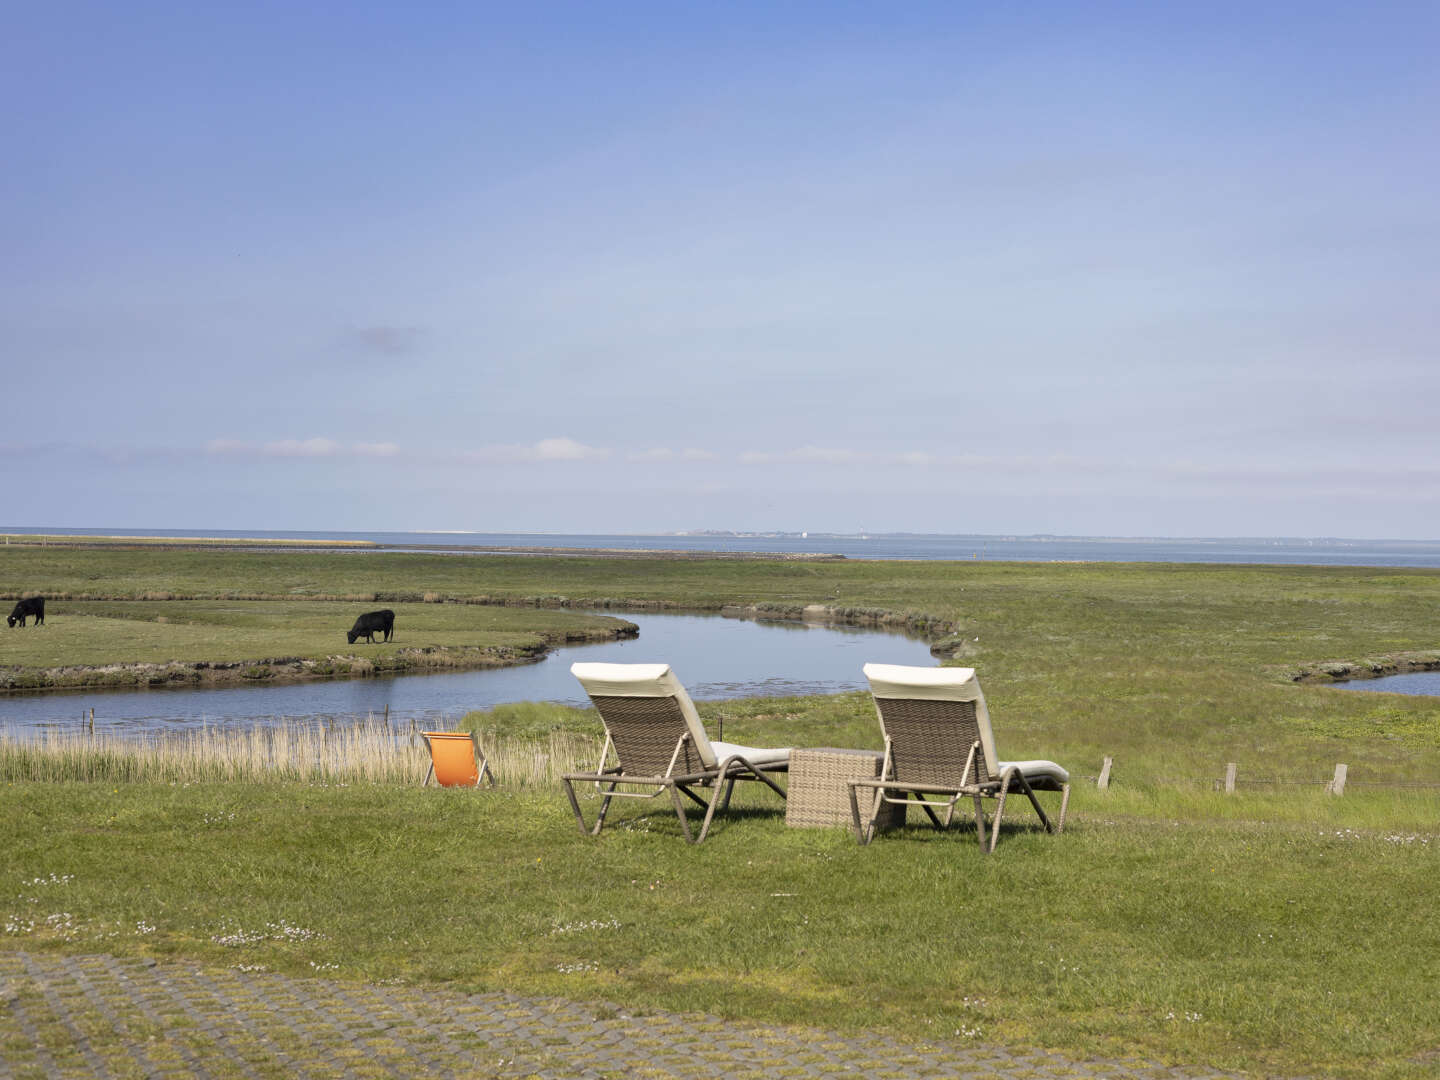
[751, 754]
[1038, 773]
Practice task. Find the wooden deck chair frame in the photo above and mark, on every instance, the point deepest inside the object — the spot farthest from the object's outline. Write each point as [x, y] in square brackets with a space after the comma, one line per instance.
[657, 741]
[456, 759]
[938, 742]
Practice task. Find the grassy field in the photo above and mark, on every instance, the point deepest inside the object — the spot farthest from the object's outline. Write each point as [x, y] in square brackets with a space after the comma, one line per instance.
[117, 642]
[155, 631]
[1280, 930]
[1172, 670]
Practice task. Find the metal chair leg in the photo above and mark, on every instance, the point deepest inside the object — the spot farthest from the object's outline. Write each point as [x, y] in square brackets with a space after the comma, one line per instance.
[680, 813]
[604, 809]
[1039, 810]
[929, 812]
[729, 790]
[999, 810]
[575, 805]
[855, 817]
[719, 800]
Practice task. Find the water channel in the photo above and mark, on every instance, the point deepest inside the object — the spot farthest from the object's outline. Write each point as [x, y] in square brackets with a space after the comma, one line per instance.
[714, 656]
[1420, 683]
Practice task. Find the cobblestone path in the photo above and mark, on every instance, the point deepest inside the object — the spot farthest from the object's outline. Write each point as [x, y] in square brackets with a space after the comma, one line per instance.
[99, 1016]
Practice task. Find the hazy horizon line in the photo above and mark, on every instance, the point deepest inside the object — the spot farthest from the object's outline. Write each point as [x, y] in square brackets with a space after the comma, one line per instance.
[796, 534]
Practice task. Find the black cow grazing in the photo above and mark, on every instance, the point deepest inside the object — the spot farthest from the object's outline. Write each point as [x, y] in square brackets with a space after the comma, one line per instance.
[33, 605]
[372, 623]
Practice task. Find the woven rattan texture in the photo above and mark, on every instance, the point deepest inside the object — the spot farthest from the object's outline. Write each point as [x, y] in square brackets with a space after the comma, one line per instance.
[645, 731]
[819, 791]
[930, 741]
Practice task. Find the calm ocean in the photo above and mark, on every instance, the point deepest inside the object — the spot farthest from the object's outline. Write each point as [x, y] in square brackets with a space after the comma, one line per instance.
[1322, 552]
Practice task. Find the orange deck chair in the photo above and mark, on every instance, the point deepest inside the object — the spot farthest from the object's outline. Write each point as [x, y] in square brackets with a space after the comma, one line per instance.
[456, 759]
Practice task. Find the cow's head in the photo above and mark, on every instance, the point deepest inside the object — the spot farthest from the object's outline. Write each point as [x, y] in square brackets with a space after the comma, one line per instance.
[10, 621]
[350, 635]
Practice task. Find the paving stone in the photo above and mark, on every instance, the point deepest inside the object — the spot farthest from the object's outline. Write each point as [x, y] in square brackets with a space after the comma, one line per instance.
[101, 1016]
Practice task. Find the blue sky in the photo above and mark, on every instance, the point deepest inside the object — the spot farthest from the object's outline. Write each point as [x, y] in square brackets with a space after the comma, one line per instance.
[1115, 269]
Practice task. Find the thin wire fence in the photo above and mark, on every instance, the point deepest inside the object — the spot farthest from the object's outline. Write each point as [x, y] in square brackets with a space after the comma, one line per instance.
[1336, 784]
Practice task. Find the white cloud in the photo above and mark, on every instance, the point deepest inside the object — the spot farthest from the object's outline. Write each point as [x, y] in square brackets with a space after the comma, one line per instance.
[829, 455]
[1419, 483]
[546, 450]
[664, 453]
[916, 458]
[1416, 481]
[313, 448]
[377, 449]
[566, 450]
[919, 459]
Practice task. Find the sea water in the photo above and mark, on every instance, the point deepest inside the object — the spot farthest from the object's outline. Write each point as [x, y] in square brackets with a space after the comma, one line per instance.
[1233, 550]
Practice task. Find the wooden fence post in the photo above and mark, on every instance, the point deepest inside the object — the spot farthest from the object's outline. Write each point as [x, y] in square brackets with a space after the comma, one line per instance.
[1230, 778]
[1337, 785]
[1103, 783]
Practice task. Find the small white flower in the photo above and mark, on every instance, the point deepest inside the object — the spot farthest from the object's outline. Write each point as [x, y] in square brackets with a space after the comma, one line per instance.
[577, 967]
[592, 924]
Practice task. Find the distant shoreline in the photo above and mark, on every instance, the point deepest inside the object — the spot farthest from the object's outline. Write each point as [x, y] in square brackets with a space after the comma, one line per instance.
[200, 543]
[88, 540]
[731, 546]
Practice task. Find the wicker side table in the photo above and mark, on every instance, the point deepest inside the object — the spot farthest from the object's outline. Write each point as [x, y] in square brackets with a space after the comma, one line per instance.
[818, 794]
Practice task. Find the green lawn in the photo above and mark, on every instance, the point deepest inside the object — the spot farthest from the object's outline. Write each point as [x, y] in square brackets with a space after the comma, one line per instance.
[1277, 946]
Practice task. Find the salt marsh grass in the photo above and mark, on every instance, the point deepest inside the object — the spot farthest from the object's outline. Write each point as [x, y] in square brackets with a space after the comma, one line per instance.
[162, 637]
[1280, 930]
[366, 752]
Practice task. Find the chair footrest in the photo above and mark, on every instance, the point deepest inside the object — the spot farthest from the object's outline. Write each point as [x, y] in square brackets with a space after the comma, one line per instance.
[930, 789]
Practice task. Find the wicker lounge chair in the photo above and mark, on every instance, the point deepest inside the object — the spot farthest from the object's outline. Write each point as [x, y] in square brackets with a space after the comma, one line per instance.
[659, 742]
[456, 759]
[938, 742]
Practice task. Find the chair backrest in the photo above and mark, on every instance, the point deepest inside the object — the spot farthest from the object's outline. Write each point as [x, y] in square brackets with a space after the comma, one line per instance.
[932, 717]
[452, 753]
[645, 711]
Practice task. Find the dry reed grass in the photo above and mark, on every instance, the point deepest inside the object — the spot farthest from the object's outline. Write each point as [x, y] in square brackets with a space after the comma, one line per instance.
[366, 752]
